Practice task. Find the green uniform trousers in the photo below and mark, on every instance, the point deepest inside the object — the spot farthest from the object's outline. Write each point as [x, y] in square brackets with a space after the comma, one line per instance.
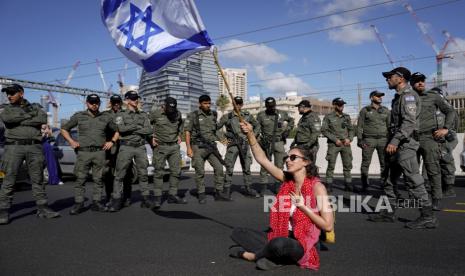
[278, 153]
[367, 153]
[346, 157]
[126, 156]
[405, 162]
[172, 154]
[430, 152]
[13, 158]
[85, 161]
[230, 159]
[198, 162]
[447, 163]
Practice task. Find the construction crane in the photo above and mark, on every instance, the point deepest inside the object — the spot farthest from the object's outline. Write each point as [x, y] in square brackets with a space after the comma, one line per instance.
[380, 39]
[452, 39]
[100, 71]
[440, 53]
[51, 98]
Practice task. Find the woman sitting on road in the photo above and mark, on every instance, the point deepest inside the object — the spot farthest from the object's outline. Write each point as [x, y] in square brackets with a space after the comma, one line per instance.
[295, 220]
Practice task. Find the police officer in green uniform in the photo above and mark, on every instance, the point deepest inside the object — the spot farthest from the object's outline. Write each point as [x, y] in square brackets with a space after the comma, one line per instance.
[372, 133]
[135, 131]
[23, 121]
[168, 126]
[275, 126]
[401, 150]
[201, 134]
[116, 103]
[91, 125]
[337, 127]
[308, 129]
[431, 134]
[446, 160]
[238, 147]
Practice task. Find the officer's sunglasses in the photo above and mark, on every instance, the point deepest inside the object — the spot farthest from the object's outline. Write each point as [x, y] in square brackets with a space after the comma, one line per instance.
[11, 93]
[293, 157]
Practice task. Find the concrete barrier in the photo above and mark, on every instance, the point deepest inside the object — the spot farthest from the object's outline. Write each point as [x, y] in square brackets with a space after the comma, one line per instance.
[322, 163]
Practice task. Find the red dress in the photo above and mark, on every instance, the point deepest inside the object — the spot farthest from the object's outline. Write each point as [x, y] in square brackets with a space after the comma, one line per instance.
[305, 231]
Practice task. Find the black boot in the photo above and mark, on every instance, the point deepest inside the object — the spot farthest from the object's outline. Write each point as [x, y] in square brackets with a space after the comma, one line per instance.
[262, 190]
[250, 192]
[77, 208]
[364, 183]
[227, 192]
[146, 202]
[436, 205]
[426, 220]
[44, 212]
[449, 192]
[176, 199]
[97, 206]
[156, 203]
[220, 196]
[4, 216]
[383, 216]
[348, 186]
[329, 187]
[115, 205]
[202, 198]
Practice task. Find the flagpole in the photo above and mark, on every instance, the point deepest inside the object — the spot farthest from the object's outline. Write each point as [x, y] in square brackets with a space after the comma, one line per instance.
[236, 109]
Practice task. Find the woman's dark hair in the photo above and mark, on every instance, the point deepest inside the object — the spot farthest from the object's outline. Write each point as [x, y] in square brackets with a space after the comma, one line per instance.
[312, 169]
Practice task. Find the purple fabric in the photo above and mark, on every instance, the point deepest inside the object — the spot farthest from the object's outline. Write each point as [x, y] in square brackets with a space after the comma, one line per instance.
[51, 163]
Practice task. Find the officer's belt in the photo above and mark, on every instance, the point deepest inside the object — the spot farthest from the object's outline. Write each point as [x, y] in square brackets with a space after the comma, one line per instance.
[275, 139]
[167, 143]
[424, 132]
[375, 136]
[132, 144]
[90, 148]
[22, 142]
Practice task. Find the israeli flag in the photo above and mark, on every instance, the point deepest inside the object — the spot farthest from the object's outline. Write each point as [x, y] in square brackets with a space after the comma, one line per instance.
[154, 33]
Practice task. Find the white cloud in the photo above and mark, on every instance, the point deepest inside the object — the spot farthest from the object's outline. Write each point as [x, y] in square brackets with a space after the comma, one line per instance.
[278, 82]
[354, 34]
[252, 55]
[350, 35]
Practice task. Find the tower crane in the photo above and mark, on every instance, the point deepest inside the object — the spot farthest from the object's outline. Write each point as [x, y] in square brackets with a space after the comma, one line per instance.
[380, 39]
[440, 53]
[51, 98]
[452, 39]
[100, 71]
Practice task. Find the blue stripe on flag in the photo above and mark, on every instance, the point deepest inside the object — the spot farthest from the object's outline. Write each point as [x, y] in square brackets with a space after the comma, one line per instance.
[161, 58]
[109, 6]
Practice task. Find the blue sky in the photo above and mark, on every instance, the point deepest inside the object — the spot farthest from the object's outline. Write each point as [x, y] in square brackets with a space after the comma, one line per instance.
[42, 35]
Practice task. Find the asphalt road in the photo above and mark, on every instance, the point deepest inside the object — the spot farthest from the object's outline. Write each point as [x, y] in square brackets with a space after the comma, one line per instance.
[193, 239]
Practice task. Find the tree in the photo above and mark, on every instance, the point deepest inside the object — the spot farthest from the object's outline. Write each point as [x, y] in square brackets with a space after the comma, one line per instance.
[222, 102]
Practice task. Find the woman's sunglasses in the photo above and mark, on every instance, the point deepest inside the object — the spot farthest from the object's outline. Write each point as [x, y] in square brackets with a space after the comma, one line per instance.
[293, 157]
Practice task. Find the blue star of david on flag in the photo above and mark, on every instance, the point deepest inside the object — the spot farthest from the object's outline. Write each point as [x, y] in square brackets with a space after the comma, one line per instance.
[154, 33]
[151, 28]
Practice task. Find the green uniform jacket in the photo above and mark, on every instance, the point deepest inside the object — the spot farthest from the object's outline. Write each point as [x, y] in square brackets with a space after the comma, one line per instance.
[337, 127]
[92, 129]
[23, 121]
[308, 129]
[404, 118]
[431, 102]
[166, 131]
[207, 127]
[267, 121]
[373, 123]
[133, 126]
[233, 129]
